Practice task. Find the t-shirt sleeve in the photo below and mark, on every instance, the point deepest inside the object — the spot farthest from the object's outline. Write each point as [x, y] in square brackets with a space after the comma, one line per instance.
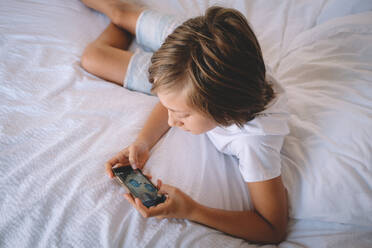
[259, 156]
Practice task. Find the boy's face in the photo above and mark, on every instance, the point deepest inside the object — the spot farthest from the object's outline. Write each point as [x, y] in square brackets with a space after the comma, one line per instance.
[182, 116]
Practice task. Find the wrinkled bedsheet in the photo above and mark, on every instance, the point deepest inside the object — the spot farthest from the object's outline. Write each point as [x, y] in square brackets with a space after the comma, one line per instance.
[59, 124]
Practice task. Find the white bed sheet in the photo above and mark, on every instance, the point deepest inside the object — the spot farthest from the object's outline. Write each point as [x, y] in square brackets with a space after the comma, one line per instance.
[59, 124]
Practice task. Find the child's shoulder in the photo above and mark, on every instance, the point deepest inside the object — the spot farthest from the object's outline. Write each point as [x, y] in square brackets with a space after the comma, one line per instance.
[272, 121]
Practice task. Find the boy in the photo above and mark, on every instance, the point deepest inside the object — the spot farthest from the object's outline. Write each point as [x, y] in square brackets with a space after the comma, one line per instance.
[210, 77]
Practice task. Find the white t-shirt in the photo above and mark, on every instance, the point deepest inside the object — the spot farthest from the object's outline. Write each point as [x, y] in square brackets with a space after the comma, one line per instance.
[257, 145]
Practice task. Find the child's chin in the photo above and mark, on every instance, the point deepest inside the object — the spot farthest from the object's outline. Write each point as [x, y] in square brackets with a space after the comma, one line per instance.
[188, 131]
[197, 131]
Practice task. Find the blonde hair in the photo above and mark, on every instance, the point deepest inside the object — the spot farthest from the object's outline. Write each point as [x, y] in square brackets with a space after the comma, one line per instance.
[218, 59]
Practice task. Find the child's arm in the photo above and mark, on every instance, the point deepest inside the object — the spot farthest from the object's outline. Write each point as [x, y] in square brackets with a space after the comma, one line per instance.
[138, 152]
[155, 126]
[267, 223]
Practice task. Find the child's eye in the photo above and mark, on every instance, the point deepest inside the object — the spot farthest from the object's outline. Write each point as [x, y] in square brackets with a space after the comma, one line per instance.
[183, 116]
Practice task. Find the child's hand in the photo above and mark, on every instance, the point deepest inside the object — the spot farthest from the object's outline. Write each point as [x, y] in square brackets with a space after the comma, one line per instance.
[136, 155]
[177, 205]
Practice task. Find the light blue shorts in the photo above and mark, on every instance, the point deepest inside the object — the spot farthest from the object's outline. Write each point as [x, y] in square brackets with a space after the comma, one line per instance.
[151, 30]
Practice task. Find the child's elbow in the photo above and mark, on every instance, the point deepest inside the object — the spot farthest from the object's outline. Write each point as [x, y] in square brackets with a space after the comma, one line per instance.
[278, 236]
[273, 237]
[277, 233]
[279, 230]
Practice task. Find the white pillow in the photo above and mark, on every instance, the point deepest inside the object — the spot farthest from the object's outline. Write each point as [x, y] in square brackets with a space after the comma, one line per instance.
[337, 8]
[327, 158]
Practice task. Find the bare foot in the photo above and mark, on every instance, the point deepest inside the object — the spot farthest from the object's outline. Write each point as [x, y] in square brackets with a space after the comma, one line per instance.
[123, 14]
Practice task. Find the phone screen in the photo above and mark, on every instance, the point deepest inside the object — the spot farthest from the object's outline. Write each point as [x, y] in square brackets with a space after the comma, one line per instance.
[138, 185]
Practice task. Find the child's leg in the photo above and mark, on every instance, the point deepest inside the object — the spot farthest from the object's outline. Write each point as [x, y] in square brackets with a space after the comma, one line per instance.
[150, 27]
[122, 14]
[106, 57]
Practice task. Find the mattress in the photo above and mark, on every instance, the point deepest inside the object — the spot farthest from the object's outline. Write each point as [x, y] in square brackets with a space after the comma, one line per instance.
[59, 124]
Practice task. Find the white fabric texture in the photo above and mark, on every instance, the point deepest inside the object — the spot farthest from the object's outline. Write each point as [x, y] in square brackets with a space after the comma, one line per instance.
[329, 68]
[258, 143]
[60, 124]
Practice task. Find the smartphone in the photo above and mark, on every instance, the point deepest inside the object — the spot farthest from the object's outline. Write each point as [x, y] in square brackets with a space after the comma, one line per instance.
[138, 185]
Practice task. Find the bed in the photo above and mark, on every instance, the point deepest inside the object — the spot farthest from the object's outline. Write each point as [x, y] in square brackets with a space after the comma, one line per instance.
[59, 124]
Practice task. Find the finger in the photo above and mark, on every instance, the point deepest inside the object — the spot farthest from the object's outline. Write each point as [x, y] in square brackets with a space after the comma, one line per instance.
[113, 161]
[166, 189]
[141, 208]
[122, 156]
[133, 157]
[108, 167]
[159, 183]
[118, 165]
